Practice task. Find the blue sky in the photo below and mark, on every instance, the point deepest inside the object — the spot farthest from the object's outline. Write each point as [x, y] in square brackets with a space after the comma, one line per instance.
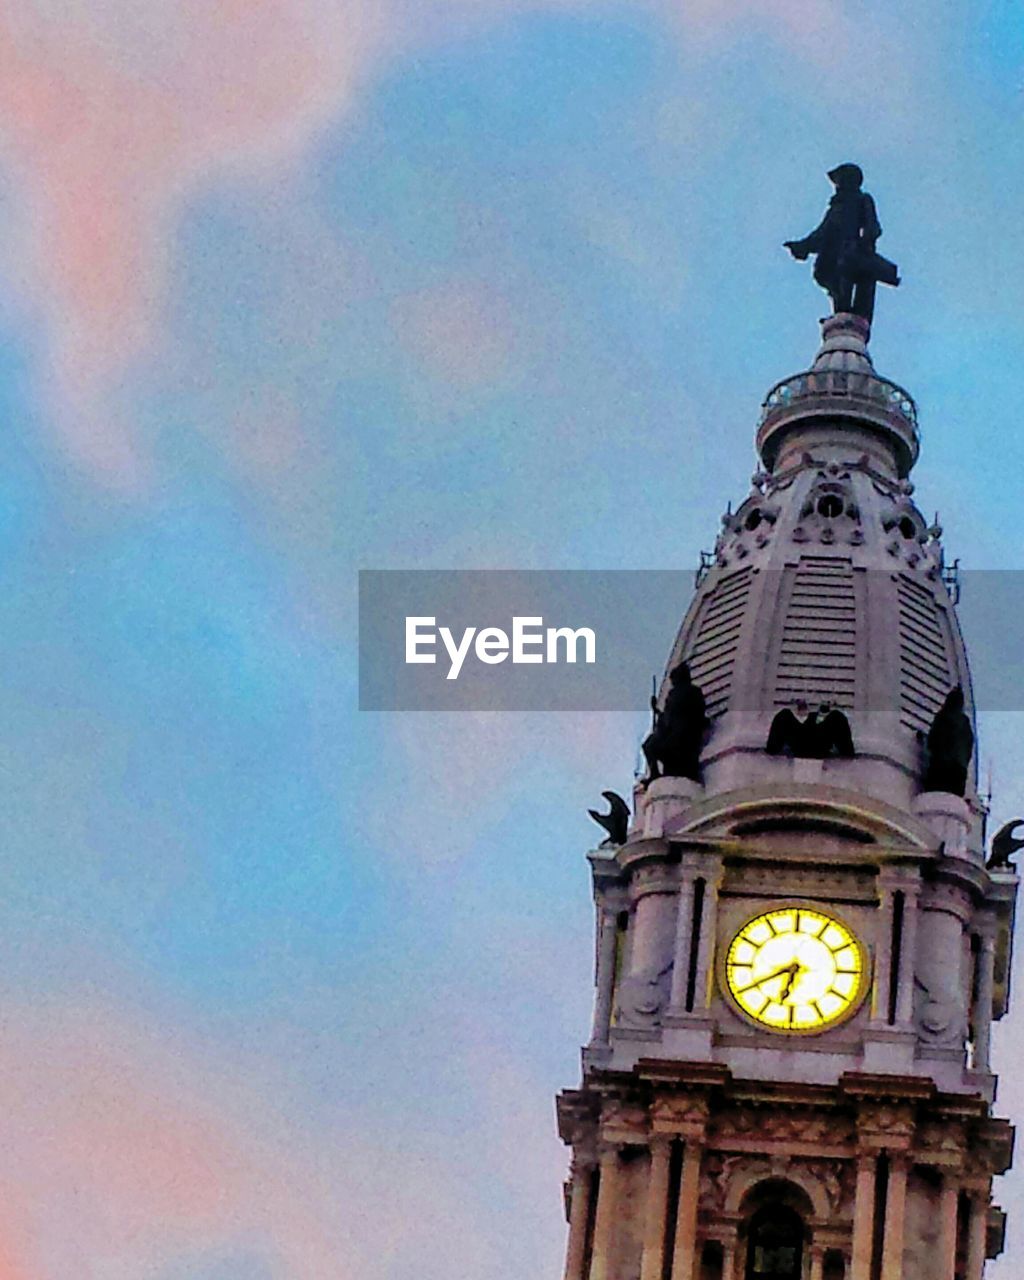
[290, 290]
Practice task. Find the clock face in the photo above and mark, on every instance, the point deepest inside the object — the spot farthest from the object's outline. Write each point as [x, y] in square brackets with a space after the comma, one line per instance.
[795, 969]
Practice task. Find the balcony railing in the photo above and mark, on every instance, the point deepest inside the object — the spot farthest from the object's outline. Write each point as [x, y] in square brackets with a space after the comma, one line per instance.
[879, 392]
[822, 393]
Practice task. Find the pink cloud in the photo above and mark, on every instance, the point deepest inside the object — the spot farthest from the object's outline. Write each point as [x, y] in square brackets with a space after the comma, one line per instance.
[104, 138]
[121, 1153]
[129, 1149]
[112, 114]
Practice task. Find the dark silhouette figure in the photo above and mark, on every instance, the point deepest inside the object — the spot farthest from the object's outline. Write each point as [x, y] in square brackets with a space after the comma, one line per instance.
[672, 748]
[1004, 845]
[818, 736]
[616, 822]
[949, 745]
[847, 266]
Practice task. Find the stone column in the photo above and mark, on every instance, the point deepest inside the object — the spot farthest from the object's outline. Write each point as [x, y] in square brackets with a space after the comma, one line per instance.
[976, 1240]
[684, 1262]
[706, 950]
[684, 926]
[908, 956]
[656, 1210]
[895, 1218]
[863, 1218]
[729, 1247]
[607, 1212]
[606, 943]
[654, 900]
[883, 955]
[817, 1262]
[948, 1206]
[579, 1213]
[986, 997]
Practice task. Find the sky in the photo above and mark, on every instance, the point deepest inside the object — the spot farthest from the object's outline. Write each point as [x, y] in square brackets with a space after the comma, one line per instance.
[291, 288]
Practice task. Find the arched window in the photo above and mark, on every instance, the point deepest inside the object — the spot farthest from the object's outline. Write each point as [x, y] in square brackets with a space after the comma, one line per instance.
[775, 1249]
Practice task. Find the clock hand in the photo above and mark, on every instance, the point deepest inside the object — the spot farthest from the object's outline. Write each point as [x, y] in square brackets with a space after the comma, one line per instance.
[795, 970]
[787, 968]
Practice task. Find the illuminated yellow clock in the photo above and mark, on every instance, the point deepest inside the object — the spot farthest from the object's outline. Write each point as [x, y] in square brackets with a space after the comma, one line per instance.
[795, 969]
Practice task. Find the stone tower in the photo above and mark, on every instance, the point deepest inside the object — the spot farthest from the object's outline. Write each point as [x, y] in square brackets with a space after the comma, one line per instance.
[799, 957]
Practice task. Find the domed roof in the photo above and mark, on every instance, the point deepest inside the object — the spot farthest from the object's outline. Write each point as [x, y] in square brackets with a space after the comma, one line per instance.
[827, 586]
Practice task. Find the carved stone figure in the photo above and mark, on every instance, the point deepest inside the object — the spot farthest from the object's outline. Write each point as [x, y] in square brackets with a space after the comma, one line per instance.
[641, 998]
[824, 733]
[846, 265]
[672, 748]
[1004, 845]
[949, 745]
[616, 822]
[938, 1014]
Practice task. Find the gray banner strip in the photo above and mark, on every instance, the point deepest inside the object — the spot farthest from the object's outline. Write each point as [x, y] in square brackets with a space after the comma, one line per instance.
[466, 620]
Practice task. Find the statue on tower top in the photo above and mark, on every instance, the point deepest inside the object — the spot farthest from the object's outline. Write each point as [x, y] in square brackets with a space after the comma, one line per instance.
[847, 266]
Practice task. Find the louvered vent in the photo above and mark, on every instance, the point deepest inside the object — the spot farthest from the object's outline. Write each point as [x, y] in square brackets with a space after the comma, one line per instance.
[818, 655]
[712, 651]
[925, 675]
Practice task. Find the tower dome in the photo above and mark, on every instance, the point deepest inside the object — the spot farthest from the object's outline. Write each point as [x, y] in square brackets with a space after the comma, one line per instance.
[828, 587]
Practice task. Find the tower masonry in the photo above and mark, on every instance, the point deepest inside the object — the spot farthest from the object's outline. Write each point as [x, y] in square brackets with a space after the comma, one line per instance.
[802, 947]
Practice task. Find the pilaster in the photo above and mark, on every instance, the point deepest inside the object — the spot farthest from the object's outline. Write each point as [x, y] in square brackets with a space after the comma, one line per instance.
[581, 1191]
[601, 1265]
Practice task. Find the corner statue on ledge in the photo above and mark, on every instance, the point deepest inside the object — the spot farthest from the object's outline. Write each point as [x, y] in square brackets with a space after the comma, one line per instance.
[847, 266]
[948, 747]
[672, 748]
[1005, 844]
[616, 821]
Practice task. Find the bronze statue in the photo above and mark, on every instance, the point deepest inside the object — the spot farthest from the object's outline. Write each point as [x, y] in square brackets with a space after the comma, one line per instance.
[1004, 845]
[616, 821]
[949, 744]
[847, 266]
[818, 736]
[672, 748]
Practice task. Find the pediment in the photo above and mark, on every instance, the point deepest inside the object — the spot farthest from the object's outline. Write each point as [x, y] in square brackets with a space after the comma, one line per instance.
[767, 813]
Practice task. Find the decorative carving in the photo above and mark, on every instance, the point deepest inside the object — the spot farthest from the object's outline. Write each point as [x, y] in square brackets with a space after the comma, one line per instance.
[836, 1177]
[943, 1137]
[938, 1012]
[717, 1173]
[783, 1125]
[641, 997]
[751, 526]
[886, 1123]
[680, 1112]
[833, 1176]
[623, 1120]
[800, 882]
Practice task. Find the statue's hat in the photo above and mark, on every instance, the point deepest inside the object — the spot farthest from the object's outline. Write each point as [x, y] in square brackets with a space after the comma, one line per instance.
[851, 173]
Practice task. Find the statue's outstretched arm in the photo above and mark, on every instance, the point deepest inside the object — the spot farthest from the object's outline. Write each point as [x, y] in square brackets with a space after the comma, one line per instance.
[809, 244]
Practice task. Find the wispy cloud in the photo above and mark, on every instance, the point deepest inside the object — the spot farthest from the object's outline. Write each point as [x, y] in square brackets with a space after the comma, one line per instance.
[112, 116]
[108, 121]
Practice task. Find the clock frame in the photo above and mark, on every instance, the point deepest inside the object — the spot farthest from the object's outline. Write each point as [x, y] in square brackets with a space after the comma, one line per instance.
[786, 947]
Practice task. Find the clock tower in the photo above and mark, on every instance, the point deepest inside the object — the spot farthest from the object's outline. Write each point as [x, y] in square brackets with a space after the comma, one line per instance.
[804, 935]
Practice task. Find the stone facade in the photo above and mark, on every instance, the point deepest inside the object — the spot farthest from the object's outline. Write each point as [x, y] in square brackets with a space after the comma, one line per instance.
[873, 1137]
